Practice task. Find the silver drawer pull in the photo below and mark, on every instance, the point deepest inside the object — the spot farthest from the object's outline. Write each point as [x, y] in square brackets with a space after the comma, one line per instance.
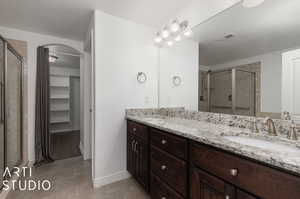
[234, 172]
[163, 167]
[134, 129]
[163, 198]
[227, 197]
[164, 141]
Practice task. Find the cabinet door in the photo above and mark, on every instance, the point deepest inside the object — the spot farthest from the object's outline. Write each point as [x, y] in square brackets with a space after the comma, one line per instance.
[206, 186]
[141, 162]
[243, 195]
[130, 154]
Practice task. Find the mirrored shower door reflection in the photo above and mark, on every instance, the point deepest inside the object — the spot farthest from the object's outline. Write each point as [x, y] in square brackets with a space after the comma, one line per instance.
[232, 91]
[220, 100]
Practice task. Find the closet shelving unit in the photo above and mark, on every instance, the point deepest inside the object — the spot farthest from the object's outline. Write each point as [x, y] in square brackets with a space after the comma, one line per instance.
[59, 99]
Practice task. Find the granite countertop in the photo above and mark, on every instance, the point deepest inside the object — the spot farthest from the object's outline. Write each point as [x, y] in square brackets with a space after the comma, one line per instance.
[215, 135]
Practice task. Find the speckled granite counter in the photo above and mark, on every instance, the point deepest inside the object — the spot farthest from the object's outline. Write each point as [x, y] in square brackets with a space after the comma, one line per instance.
[217, 135]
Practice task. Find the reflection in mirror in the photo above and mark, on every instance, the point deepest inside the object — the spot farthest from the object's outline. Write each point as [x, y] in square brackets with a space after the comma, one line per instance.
[247, 58]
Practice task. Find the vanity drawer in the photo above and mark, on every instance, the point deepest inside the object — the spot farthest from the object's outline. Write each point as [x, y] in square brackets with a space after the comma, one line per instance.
[170, 143]
[160, 190]
[138, 130]
[171, 170]
[260, 180]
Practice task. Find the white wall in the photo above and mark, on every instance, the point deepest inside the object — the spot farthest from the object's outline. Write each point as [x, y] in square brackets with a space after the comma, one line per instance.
[179, 60]
[33, 41]
[122, 49]
[271, 72]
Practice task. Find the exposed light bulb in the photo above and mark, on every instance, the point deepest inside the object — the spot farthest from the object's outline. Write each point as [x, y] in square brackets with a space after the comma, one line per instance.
[252, 3]
[175, 26]
[178, 38]
[158, 39]
[52, 58]
[165, 33]
[188, 33]
[170, 43]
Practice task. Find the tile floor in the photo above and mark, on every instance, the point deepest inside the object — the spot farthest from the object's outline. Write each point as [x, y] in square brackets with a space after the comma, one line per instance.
[71, 179]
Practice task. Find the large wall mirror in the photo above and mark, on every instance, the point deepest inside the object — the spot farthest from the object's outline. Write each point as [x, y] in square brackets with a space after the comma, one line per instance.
[250, 60]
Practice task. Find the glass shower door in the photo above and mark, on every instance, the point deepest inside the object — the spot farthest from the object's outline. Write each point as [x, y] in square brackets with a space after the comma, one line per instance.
[2, 145]
[13, 108]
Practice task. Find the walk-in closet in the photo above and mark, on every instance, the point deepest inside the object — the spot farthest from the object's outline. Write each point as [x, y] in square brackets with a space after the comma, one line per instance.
[64, 86]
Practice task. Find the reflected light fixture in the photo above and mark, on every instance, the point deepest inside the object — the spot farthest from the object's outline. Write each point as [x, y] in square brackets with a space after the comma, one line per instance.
[158, 38]
[252, 3]
[175, 26]
[53, 58]
[165, 33]
[188, 33]
[170, 43]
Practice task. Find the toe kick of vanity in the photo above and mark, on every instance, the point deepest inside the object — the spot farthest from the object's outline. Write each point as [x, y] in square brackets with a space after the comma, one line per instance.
[169, 166]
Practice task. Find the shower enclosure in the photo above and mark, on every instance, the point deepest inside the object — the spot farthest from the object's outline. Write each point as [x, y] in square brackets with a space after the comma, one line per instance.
[231, 91]
[11, 64]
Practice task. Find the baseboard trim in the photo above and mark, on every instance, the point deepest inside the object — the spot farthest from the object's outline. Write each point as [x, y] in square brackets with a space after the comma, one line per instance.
[118, 176]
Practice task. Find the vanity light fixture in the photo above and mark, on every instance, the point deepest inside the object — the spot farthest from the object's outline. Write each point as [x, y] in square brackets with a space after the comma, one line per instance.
[170, 43]
[252, 3]
[175, 26]
[158, 38]
[174, 32]
[165, 33]
[188, 33]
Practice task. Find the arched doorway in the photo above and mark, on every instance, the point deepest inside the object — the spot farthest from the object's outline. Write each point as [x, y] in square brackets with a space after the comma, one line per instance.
[64, 101]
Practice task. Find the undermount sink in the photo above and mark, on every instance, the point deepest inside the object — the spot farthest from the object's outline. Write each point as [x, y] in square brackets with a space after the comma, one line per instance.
[264, 144]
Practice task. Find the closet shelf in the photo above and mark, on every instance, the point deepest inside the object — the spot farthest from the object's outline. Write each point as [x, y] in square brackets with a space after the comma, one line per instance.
[60, 86]
[60, 97]
[59, 110]
[59, 121]
[63, 131]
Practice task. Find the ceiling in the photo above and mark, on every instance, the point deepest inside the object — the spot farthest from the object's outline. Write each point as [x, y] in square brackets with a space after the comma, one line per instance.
[272, 26]
[70, 18]
[67, 57]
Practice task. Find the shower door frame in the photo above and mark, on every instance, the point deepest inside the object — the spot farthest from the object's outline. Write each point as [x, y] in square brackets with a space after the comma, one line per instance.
[233, 71]
[4, 109]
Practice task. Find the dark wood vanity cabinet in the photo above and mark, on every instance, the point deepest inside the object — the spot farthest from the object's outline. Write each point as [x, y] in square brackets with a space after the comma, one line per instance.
[174, 167]
[206, 186]
[138, 153]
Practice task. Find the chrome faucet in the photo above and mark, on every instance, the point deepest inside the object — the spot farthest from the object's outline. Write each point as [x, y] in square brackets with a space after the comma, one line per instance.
[271, 126]
[292, 134]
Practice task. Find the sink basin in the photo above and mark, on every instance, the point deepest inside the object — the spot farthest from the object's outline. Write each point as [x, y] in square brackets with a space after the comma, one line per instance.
[264, 144]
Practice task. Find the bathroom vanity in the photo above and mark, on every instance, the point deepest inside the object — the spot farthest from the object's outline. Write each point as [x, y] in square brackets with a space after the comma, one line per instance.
[176, 158]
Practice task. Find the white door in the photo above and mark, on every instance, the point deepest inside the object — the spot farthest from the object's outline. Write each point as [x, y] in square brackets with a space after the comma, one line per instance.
[291, 83]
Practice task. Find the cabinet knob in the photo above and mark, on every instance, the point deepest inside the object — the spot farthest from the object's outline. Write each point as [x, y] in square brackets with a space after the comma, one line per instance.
[164, 141]
[234, 172]
[163, 198]
[134, 129]
[227, 197]
[163, 167]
